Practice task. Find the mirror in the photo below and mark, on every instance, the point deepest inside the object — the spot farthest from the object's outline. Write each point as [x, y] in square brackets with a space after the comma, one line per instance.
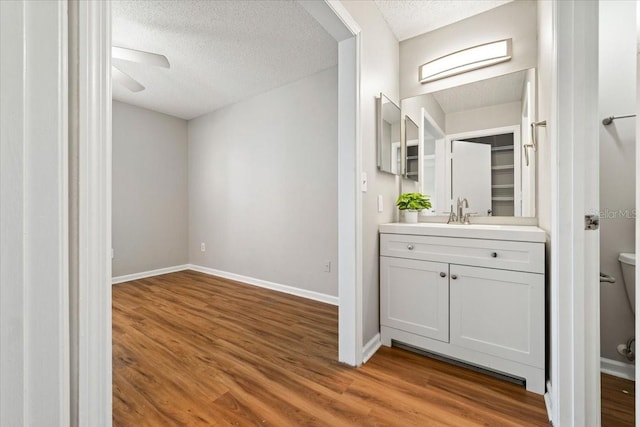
[389, 159]
[411, 149]
[472, 139]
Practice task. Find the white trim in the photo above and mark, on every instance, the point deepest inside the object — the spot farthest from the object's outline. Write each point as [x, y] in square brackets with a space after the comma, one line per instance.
[575, 309]
[304, 293]
[149, 273]
[94, 213]
[548, 403]
[345, 17]
[371, 347]
[618, 369]
[34, 215]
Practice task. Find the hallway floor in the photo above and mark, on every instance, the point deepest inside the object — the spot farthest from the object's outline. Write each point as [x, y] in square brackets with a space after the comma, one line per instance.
[191, 349]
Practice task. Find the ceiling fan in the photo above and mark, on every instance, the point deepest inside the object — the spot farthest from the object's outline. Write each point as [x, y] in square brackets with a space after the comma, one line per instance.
[138, 56]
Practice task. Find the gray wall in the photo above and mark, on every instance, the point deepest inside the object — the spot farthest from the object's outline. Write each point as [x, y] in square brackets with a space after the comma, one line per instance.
[379, 72]
[617, 96]
[516, 20]
[263, 185]
[149, 190]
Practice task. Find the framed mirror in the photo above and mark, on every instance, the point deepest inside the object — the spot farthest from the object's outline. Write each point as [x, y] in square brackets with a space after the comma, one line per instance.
[412, 149]
[473, 142]
[389, 134]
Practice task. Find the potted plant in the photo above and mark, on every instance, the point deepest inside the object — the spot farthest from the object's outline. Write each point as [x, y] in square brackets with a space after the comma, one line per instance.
[411, 204]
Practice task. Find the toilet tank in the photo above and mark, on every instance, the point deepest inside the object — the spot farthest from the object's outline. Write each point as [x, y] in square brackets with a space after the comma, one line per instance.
[628, 264]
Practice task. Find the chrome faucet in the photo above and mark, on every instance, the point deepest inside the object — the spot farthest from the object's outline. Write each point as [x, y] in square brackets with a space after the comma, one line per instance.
[462, 203]
[452, 217]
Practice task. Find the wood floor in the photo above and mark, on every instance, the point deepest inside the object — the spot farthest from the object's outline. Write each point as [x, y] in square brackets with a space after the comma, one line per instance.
[618, 401]
[190, 349]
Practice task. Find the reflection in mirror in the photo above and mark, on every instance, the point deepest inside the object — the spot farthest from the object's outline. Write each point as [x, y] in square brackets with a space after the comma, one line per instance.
[432, 170]
[411, 143]
[388, 136]
[477, 134]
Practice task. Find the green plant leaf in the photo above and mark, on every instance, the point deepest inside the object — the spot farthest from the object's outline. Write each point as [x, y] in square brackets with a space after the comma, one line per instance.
[413, 201]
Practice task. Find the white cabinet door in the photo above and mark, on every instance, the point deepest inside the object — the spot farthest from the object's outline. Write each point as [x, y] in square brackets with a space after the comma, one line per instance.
[498, 312]
[414, 296]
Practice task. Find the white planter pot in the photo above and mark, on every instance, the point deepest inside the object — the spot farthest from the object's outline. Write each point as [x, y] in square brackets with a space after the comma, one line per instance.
[410, 217]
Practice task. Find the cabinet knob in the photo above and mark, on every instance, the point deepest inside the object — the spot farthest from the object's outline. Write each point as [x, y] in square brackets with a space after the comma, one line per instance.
[443, 274]
[454, 276]
[410, 246]
[494, 254]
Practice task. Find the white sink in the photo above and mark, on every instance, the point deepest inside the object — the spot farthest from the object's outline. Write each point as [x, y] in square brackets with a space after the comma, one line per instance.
[518, 233]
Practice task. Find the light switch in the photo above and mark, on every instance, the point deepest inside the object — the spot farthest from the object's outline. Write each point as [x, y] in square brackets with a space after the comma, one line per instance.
[380, 203]
[364, 182]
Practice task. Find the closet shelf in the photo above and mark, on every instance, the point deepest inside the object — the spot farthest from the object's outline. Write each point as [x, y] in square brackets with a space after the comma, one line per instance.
[501, 167]
[502, 148]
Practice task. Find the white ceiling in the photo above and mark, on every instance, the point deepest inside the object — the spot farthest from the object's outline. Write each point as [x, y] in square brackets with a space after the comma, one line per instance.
[409, 18]
[484, 93]
[221, 52]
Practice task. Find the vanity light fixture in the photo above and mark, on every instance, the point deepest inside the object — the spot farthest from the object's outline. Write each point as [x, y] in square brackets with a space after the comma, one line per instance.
[466, 60]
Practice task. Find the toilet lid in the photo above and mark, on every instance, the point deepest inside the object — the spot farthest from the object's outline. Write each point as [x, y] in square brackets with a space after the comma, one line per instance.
[627, 258]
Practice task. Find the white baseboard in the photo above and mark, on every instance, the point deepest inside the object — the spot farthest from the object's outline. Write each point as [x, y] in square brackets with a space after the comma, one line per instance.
[316, 296]
[618, 369]
[150, 273]
[371, 347]
[548, 404]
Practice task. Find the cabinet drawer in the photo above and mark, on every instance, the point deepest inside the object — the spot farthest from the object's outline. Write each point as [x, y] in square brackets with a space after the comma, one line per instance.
[500, 254]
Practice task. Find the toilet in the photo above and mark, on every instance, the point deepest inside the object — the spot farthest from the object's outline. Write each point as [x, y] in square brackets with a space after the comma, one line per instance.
[628, 264]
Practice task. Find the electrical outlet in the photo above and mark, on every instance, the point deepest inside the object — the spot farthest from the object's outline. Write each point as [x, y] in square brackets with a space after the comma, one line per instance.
[203, 247]
[327, 266]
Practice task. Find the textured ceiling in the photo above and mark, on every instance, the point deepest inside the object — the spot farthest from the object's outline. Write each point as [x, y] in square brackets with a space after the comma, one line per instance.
[498, 90]
[409, 18]
[220, 51]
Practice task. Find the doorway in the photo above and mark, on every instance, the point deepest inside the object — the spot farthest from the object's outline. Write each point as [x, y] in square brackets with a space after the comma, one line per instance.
[93, 324]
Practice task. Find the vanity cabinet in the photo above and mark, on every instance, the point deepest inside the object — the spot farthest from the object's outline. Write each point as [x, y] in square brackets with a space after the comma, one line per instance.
[479, 301]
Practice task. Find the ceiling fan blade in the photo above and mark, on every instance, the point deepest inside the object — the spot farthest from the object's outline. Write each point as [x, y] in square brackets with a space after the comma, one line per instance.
[139, 56]
[125, 80]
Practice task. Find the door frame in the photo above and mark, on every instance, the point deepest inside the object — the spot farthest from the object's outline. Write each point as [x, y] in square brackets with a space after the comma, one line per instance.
[575, 298]
[92, 87]
[333, 16]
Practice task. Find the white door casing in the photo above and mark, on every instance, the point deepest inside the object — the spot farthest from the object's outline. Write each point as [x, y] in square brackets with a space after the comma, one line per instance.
[573, 130]
[34, 215]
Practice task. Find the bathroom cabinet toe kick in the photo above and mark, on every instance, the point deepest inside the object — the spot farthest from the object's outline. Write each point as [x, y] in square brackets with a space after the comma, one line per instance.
[534, 376]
